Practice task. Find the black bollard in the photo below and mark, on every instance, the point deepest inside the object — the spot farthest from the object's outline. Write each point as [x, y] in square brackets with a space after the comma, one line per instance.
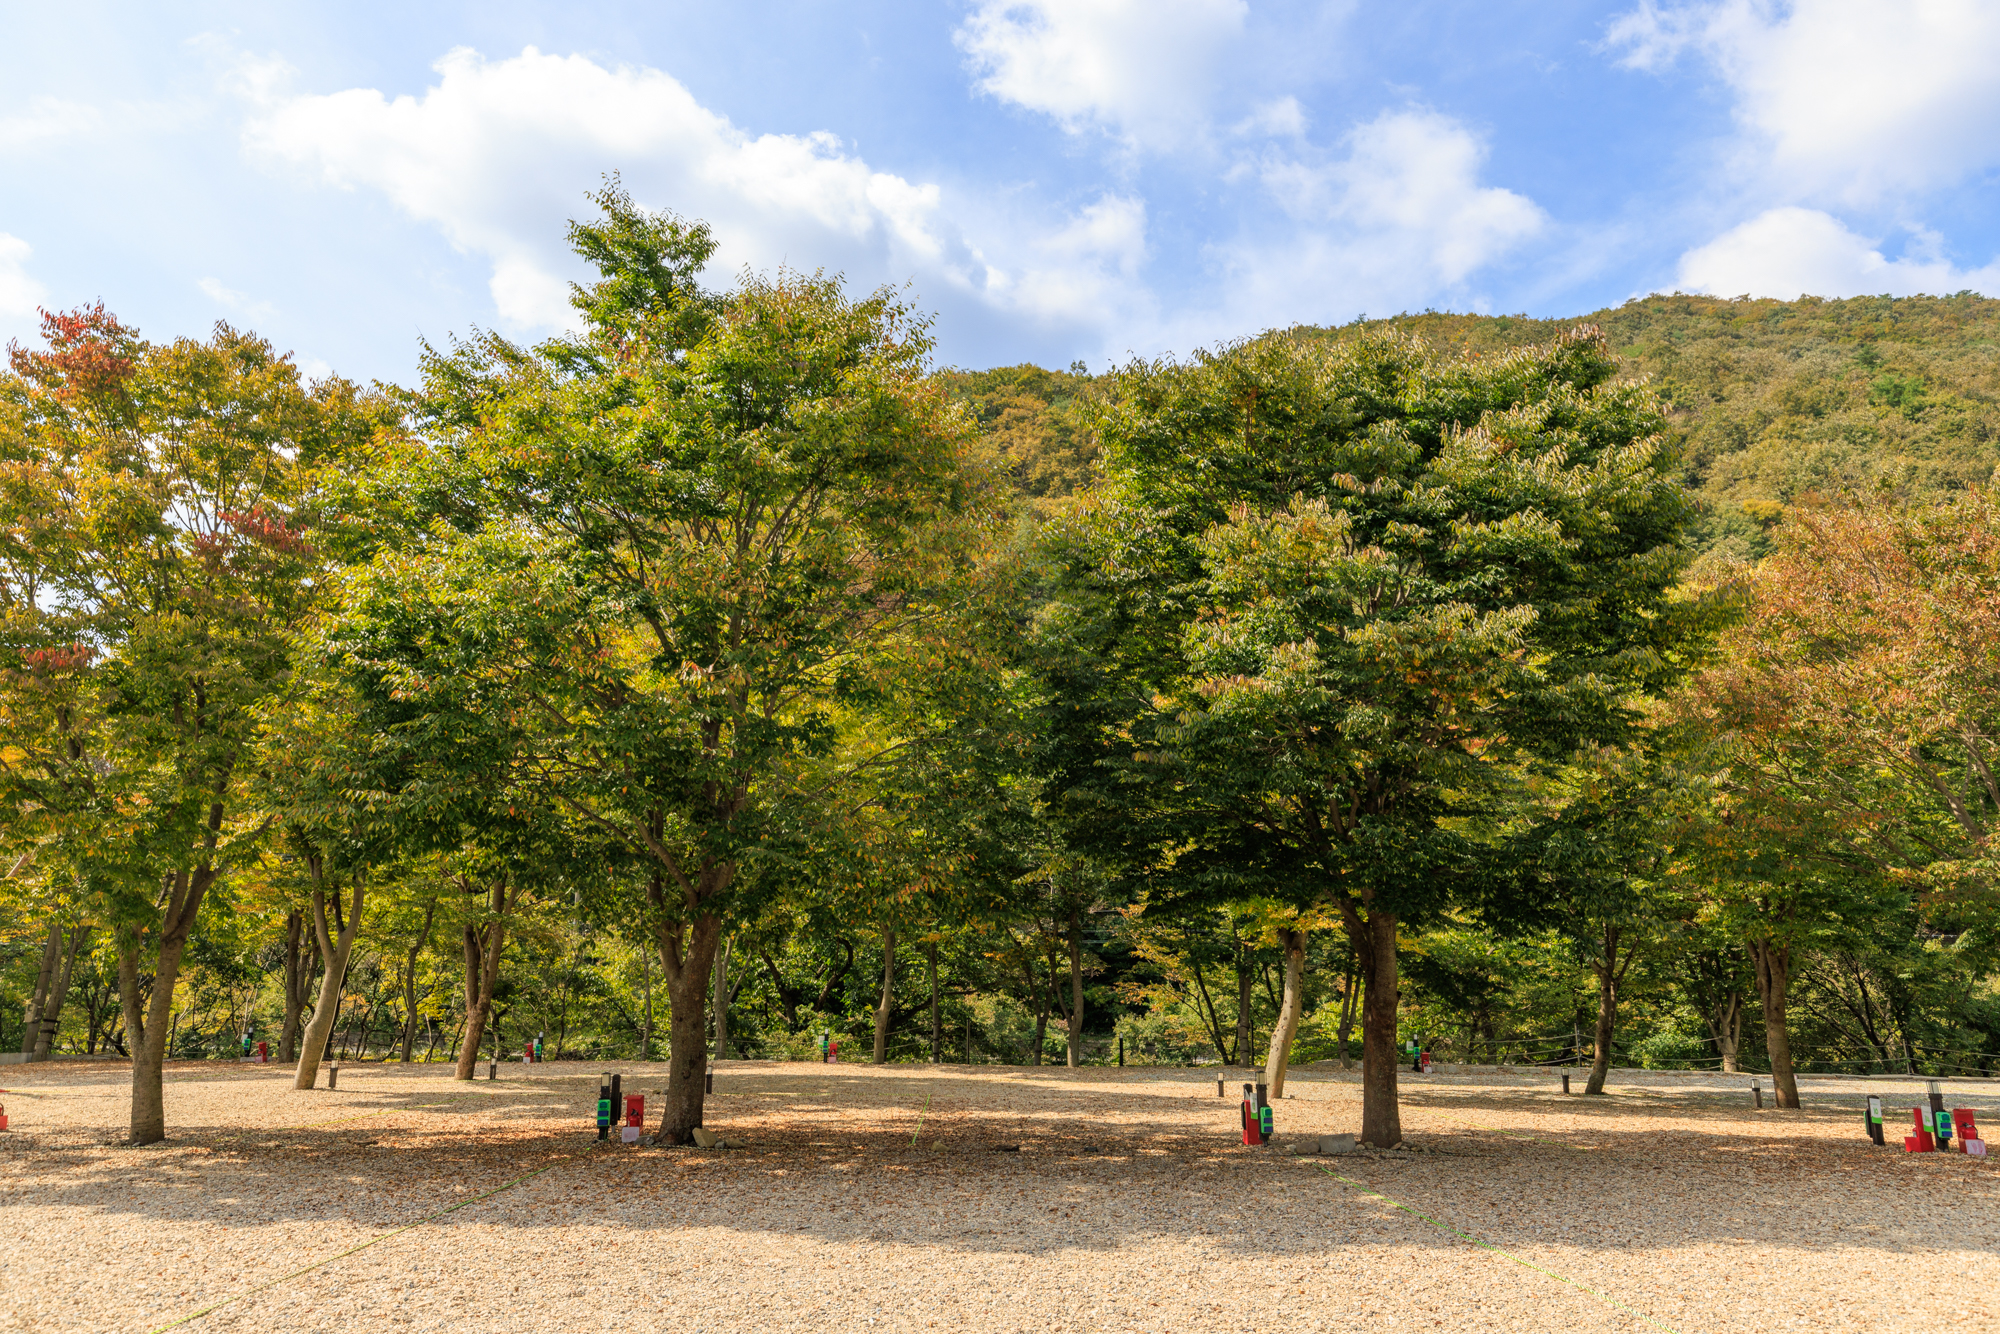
[1121, 1051]
[1565, 1083]
[1940, 1120]
[1218, 1087]
[1874, 1120]
[333, 1074]
[1757, 1093]
[708, 1082]
[493, 1069]
[617, 1097]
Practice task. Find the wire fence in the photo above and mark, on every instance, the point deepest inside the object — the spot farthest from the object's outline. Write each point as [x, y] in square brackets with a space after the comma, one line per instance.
[1579, 1048]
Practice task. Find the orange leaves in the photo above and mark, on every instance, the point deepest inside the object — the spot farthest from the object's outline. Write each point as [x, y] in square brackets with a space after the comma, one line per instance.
[89, 353]
[50, 661]
[267, 529]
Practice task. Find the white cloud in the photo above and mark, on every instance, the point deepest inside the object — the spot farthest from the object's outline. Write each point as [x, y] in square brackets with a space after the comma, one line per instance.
[1406, 203]
[1792, 252]
[1399, 219]
[498, 154]
[1849, 100]
[230, 299]
[47, 120]
[20, 294]
[1283, 118]
[1142, 70]
[1089, 269]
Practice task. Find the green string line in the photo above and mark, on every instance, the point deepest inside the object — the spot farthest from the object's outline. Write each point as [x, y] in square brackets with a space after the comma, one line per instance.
[1487, 1245]
[920, 1120]
[321, 1264]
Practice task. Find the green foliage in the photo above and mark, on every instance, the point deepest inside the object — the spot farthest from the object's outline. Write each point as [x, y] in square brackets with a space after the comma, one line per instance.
[1769, 401]
[1030, 426]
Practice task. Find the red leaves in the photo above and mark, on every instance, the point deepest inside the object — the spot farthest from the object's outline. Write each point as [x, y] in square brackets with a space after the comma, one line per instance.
[266, 529]
[90, 353]
[49, 661]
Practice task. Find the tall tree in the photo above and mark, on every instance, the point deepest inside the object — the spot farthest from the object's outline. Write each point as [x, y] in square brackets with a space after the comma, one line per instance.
[1388, 582]
[158, 493]
[1856, 715]
[663, 549]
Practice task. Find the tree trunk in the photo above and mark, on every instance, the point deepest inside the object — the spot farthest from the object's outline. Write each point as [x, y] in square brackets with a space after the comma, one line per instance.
[410, 981]
[1041, 1036]
[1075, 1024]
[1243, 982]
[1375, 949]
[482, 944]
[886, 1007]
[1607, 1010]
[1725, 1025]
[335, 945]
[1294, 942]
[1773, 963]
[937, 1033]
[1350, 1002]
[148, 1032]
[300, 952]
[52, 1007]
[31, 1020]
[687, 1015]
[722, 999]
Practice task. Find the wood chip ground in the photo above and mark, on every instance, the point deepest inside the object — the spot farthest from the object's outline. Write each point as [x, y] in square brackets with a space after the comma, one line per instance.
[888, 1199]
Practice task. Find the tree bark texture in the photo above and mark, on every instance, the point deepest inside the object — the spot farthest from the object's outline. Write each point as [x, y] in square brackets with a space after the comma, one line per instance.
[687, 953]
[410, 981]
[1287, 1027]
[1244, 1012]
[336, 943]
[482, 944]
[937, 1033]
[52, 1005]
[1350, 999]
[147, 1027]
[723, 999]
[301, 955]
[1725, 1025]
[1075, 987]
[31, 1018]
[1773, 963]
[1610, 976]
[885, 1008]
[1375, 948]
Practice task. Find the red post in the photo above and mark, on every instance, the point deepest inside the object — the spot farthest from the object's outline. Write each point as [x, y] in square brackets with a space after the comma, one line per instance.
[1253, 1129]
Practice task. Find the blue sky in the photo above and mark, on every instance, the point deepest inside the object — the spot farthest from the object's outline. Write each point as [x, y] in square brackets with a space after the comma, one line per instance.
[1057, 181]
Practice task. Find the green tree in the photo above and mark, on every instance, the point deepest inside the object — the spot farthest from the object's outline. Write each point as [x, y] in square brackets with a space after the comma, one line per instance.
[161, 552]
[1395, 581]
[662, 552]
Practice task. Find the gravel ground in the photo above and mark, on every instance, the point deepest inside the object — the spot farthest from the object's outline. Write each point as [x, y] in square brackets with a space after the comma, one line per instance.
[980, 1198]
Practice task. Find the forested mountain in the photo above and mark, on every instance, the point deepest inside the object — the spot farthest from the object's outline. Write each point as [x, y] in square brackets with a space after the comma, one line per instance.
[1028, 426]
[1775, 399]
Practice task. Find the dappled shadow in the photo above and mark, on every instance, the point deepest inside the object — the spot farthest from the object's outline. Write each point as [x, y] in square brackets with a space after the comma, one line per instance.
[982, 1170]
[839, 1152]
